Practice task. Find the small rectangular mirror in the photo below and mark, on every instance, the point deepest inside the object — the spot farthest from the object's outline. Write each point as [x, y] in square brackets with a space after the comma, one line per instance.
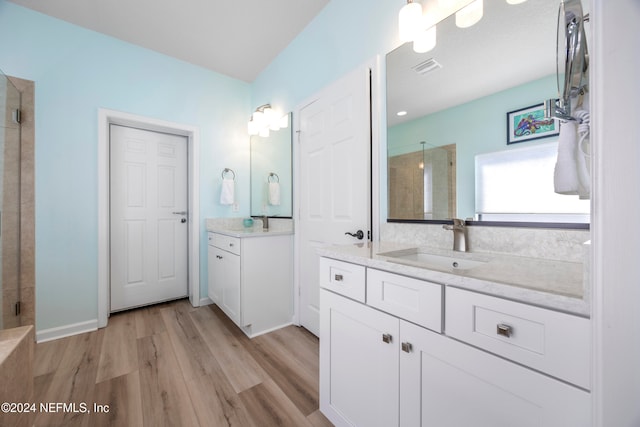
[271, 174]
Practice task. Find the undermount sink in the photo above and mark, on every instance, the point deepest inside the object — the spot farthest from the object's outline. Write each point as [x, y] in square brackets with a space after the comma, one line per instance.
[416, 256]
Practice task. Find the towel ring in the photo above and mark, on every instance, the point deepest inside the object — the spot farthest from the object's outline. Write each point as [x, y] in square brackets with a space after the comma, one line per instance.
[227, 170]
[273, 175]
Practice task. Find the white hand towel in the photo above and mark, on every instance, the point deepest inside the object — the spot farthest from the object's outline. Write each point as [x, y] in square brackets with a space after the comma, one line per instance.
[583, 154]
[565, 174]
[227, 195]
[274, 193]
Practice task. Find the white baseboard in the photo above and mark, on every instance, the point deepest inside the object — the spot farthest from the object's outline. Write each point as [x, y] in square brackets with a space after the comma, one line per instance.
[205, 301]
[66, 330]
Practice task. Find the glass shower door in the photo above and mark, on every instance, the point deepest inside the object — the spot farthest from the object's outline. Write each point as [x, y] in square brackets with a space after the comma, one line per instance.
[10, 100]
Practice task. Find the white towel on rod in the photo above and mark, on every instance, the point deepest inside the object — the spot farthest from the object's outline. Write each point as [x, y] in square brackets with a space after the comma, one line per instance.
[274, 193]
[565, 174]
[227, 193]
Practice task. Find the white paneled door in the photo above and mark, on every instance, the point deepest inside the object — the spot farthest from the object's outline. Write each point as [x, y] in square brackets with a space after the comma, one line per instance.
[148, 217]
[335, 179]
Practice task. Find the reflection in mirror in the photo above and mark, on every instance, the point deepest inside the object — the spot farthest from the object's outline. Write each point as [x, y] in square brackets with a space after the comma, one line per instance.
[424, 183]
[458, 95]
[271, 176]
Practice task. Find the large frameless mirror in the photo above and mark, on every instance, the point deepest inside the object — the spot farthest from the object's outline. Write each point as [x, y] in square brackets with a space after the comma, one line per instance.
[467, 135]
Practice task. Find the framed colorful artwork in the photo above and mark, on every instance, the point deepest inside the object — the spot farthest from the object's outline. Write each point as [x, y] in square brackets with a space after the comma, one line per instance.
[530, 123]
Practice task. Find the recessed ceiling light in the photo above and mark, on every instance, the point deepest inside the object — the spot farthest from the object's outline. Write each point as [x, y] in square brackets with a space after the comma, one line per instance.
[401, 113]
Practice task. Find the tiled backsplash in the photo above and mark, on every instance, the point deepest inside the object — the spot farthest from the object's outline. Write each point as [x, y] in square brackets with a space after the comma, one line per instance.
[555, 244]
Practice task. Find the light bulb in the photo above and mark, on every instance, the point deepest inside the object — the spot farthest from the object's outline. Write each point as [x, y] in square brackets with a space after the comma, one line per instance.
[284, 121]
[273, 119]
[409, 21]
[264, 132]
[469, 15]
[258, 117]
[516, 1]
[425, 41]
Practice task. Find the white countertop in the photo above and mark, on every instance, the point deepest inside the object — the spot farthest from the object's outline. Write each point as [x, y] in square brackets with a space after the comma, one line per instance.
[234, 227]
[249, 232]
[552, 284]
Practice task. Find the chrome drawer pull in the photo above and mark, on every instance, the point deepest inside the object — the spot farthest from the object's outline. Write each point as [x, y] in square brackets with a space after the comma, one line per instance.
[338, 277]
[407, 347]
[504, 330]
[386, 338]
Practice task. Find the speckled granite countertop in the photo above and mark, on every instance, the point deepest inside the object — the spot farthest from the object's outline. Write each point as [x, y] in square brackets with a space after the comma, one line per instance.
[558, 285]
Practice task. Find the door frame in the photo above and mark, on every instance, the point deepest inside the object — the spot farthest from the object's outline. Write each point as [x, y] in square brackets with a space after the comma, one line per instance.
[105, 118]
[378, 152]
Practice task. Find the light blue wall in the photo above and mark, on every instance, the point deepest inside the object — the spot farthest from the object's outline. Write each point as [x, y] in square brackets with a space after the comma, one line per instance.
[479, 126]
[77, 71]
[345, 34]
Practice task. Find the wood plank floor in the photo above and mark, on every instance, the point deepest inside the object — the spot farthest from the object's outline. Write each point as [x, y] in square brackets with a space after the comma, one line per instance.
[175, 365]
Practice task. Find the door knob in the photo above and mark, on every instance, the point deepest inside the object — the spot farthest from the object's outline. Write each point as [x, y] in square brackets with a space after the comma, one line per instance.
[183, 220]
[358, 234]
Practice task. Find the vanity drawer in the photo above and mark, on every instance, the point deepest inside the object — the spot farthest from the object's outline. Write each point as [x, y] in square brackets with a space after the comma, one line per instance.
[343, 278]
[417, 301]
[558, 344]
[227, 243]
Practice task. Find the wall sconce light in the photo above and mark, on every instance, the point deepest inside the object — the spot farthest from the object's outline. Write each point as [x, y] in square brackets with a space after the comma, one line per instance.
[266, 119]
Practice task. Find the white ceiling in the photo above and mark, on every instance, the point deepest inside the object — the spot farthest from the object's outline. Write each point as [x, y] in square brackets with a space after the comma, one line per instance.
[235, 38]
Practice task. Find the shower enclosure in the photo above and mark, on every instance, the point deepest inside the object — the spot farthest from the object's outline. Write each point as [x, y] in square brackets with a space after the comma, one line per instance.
[10, 164]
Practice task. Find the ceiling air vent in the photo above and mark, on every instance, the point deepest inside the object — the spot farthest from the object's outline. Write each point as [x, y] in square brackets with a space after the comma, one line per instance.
[426, 66]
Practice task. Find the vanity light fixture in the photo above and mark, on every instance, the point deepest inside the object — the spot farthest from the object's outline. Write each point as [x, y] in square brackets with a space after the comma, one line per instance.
[413, 27]
[401, 113]
[419, 26]
[266, 119]
[410, 21]
[516, 1]
[425, 41]
[470, 14]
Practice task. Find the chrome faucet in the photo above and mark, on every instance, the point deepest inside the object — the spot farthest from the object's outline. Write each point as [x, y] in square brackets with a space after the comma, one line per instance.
[459, 234]
[265, 222]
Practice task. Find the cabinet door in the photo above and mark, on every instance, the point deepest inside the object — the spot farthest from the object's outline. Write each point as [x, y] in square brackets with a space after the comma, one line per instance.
[226, 279]
[214, 279]
[446, 383]
[358, 363]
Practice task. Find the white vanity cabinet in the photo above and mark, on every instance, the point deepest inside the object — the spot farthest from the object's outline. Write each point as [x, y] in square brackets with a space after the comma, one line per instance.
[358, 363]
[385, 362]
[448, 384]
[224, 274]
[251, 280]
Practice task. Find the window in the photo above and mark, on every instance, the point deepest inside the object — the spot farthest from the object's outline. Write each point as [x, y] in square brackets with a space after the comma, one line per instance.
[517, 185]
